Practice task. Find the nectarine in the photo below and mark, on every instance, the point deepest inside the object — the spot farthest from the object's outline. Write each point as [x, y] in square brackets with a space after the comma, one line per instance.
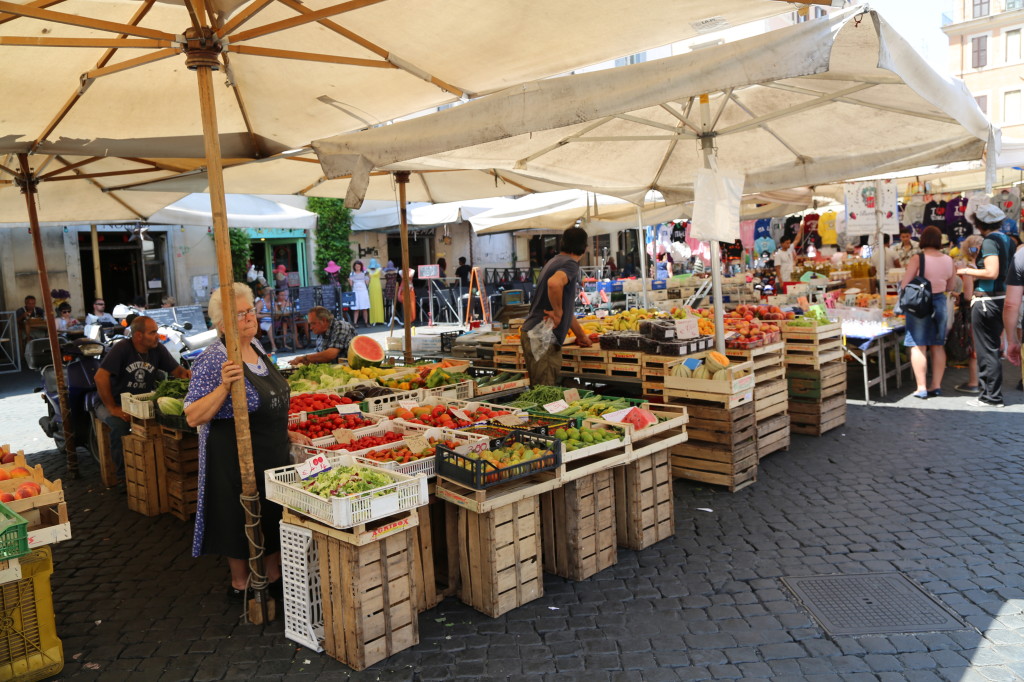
[4, 475]
[7, 497]
[20, 472]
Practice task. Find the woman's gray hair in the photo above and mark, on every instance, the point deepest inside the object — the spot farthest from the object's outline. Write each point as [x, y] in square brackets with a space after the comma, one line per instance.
[216, 311]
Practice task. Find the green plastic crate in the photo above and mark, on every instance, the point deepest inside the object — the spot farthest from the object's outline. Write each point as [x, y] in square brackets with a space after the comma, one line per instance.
[14, 536]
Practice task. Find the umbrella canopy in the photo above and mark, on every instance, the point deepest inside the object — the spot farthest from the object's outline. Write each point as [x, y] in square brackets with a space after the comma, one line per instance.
[817, 102]
[300, 174]
[243, 211]
[115, 84]
[79, 187]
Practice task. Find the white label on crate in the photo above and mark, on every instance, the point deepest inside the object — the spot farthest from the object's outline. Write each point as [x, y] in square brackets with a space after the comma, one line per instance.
[312, 466]
[617, 416]
[460, 414]
[351, 408]
[385, 505]
[408, 404]
[511, 419]
[416, 444]
[571, 396]
[344, 435]
[557, 406]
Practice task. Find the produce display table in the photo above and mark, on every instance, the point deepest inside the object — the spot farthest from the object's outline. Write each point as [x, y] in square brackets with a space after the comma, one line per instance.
[862, 349]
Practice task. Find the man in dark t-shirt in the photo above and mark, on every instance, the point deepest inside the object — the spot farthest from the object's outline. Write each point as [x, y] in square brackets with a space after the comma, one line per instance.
[1011, 307]
[554, 301]
[131, 367]
[462, 272]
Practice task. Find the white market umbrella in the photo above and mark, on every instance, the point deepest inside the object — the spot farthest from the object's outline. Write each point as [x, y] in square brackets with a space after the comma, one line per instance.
[243, 211]
[817, 102]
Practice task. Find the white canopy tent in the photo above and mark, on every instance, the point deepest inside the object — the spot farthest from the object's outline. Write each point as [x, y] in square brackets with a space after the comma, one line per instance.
[243, 211]
[817, 102]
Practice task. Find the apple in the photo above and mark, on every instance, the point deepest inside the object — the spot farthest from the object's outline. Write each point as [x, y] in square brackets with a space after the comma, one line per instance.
[20, 472]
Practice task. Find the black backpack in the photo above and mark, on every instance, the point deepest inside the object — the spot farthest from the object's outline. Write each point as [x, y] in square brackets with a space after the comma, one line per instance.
[916, 297]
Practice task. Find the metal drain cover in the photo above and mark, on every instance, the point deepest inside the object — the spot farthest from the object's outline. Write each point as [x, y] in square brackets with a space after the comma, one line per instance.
[871, 603]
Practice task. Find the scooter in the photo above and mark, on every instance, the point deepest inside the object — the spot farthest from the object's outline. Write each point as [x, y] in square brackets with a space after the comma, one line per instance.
[79, 362]
[182, 346]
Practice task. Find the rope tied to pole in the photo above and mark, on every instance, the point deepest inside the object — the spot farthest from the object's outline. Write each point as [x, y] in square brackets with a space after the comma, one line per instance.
[257, 578]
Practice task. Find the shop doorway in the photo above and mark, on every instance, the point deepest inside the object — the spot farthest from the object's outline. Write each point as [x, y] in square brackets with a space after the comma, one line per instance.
[268, 253]
[132, 265]
[421, 251]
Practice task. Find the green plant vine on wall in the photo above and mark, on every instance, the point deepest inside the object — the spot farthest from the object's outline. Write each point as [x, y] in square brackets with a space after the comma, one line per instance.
[333, 235]
[241, 252]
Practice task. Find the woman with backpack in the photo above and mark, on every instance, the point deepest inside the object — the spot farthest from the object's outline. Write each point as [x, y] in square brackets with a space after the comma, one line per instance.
[926, 333]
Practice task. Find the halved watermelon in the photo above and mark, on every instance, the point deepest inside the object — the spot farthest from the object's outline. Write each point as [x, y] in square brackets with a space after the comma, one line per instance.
[364, 352]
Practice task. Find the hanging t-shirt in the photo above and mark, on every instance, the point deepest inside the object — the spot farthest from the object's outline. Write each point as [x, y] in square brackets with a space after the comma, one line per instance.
[747, 233]
[791, 227]
[935, 214]
[1008, 200]
[957, 226]
[765, 245]
[913, 212]
[973, 202]
[827, 228]
[762, 228]
[811, 236]
[776, 227]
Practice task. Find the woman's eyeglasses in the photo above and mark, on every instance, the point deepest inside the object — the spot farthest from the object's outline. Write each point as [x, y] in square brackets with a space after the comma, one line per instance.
[241, 315]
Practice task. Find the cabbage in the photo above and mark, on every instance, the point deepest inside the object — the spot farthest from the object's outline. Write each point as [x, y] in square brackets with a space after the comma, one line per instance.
[171, 406]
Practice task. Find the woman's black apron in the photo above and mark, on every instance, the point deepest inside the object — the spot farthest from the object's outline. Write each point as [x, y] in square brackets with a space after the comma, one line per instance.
[224, 530]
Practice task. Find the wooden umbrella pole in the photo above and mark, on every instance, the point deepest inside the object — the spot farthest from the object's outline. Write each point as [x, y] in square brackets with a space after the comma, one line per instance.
[222, 240]
[28, 187]
[402, 178]
[96, 271]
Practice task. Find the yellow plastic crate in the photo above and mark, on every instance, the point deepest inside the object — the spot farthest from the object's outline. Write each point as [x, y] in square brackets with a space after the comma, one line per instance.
[29, 647]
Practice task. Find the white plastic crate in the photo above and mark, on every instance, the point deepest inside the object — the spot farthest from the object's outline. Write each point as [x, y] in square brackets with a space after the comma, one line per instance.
[386, 403]
[426, 466]
[405, 493]
[142, 405]
[361, 431]
[463, 390]
[470, 405]
[300, 578]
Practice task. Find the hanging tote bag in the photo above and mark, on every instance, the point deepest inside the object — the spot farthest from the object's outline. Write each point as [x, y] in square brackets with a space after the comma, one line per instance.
[916, 297]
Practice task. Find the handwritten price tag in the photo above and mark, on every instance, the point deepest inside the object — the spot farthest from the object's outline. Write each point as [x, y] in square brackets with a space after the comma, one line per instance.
[344, 435]
[312, 466]
[351, 408]
[416, 444]
[460, 414]
[408, 404]
[618, 415]
[511, 420]
[557, 406]
[571, 396]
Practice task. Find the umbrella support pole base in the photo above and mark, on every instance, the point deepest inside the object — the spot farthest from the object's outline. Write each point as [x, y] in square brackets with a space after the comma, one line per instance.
[255, 616]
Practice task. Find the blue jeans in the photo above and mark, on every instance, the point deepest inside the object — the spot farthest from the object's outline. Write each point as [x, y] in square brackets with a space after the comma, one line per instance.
[119, 428]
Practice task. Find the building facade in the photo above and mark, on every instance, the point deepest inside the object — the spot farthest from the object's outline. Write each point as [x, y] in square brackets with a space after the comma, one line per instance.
[986, 52]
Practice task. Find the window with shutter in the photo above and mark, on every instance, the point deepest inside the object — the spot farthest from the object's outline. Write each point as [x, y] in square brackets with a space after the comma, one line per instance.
[981, 8]
[979, 52]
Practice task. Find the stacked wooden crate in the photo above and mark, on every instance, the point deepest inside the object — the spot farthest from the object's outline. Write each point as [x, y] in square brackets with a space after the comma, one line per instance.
[578, 527]
[721, 446]
[771, 398]
[655, 368]
[181, 467]
[145, 474]
[816, 378]
[509, 356]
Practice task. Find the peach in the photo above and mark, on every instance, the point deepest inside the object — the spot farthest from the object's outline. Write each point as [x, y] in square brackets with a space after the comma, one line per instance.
[20, 472]
[7, 497]
[8, 458]
[5, 475]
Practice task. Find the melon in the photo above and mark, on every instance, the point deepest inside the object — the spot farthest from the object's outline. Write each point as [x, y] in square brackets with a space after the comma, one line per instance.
[716, 361]
[721, 375]
[364, 352]
[702, 372]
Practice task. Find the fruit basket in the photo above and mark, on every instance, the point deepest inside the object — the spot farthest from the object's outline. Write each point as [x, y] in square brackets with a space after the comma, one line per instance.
[397, 493]
[13, 534]
[491, 467]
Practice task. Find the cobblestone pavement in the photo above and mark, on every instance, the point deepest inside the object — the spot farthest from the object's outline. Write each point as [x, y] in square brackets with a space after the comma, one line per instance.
[934, 493]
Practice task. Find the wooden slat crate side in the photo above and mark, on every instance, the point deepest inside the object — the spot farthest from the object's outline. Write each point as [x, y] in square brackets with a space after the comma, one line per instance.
[424, 584]
[769, 374]
[717, 457]
[149, 428]
[772, 424]
[733, 482]
[367, 598]
[826, 371]
[500, 566]
[644, 506]
[616, 369]
[821, 427]
[775, 442]
[578, 527]
[145, 475]
[815, 408]
[769, 389]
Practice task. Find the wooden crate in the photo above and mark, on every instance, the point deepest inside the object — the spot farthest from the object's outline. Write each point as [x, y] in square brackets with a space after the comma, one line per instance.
[181, 451]
[599, 368]
[659, 365]
[773, 434]
[578, 529]
[721, 426]
[629, 371]
[367, 597]
[770, 399]
[569, 365]
[814, 355]
[145, 475]
[108, 472]
[147, 428]
[592, 354]
[510, 364]
[633, 358]
[814, 418]
[182, 495]
[813, 385]
[644, 506]
[791, 332]
[499, 551]
[734, 468]
[653, 391]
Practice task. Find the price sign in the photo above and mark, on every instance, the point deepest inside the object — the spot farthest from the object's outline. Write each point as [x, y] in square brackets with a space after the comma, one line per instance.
[351, 408]
[417, 444]
[460, 414]
[687, 328]
[511, 419]
[618, 415]
[408, 404]
[557, 406]
[571, 396]
[312, 466]
[344, 435]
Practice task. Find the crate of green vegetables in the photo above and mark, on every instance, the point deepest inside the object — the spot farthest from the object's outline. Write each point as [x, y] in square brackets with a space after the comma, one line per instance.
[342, 493]
[170, 404]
